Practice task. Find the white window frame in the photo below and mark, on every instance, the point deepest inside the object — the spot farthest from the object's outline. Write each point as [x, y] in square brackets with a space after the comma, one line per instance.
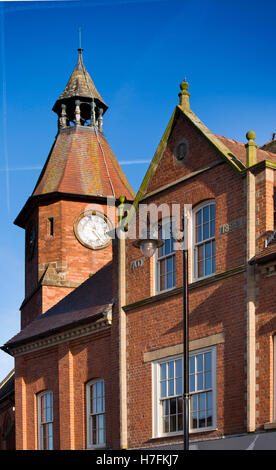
[157, 402]
[41, 424]
[89, 415]
[157, 290]
[196, 244]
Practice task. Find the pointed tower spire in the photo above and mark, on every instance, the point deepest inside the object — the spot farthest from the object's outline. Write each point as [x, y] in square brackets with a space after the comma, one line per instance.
[80, 103]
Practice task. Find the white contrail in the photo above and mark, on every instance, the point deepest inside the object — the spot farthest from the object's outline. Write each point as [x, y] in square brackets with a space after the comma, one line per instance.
[4, 115]
[74, 3]
[22, 168]
[134, 162]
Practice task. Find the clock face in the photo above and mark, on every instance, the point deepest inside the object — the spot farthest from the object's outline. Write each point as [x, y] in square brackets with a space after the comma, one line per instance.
[91, 229]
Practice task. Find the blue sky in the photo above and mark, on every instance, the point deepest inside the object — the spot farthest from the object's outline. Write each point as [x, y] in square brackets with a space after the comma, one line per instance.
[137, 52]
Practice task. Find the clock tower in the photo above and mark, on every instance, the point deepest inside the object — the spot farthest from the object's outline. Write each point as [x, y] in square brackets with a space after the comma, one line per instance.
[69, 214]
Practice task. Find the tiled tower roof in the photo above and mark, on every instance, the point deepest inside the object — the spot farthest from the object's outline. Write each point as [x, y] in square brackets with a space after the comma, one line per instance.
[82, 162]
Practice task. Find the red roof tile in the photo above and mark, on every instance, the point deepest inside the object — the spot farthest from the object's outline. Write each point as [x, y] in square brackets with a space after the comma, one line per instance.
[239, 149]
[82, 162]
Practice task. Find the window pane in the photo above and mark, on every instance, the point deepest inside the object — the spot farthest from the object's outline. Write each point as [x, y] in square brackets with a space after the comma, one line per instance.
[201, 401]
[173, 423]
[170, 264]
[199, 217]
[101, 428]
[199, 234]
[178, 386]
[173, 406]
[192, 364]
[178, 368]
[199, 381]
[194, 420]
[99, 404]
[171, 369]
[208, 267]
[206, 231]
[206, 214]
[208, 250]
[166, 424]
[50, 436]
[200, 376]
[209, 400]
[94, 429]
[212, 228]
[212, 211]
[170, 387]
[201, 420]
[199, 362]
[208, 380]
[163, 369]
[208, 361]
[166, 407]
[163, 389]
[167, 246]
[192, 383]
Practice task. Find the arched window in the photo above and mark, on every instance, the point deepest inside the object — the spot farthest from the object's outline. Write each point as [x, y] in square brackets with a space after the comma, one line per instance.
[45, 420]
[204, 240]
[166, 257]
[95, 413]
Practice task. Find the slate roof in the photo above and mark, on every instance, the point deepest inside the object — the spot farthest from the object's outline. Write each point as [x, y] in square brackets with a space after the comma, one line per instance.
[7, 386]
[86, 303]
[267, 254]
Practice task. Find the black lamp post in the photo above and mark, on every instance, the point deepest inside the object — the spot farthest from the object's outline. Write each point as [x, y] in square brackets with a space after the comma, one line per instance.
[148, 246]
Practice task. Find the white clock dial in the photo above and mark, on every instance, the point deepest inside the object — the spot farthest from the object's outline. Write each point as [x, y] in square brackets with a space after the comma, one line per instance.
[92, 230]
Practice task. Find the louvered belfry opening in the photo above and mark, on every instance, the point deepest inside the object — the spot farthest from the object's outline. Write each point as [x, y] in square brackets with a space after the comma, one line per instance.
[80, 104]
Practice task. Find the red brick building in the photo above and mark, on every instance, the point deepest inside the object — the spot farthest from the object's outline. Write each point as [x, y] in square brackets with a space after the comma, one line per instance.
[98, 362]
[7, 428]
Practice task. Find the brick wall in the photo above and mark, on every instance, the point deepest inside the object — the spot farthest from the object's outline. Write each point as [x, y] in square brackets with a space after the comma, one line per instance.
[59, 262]
[65, 369]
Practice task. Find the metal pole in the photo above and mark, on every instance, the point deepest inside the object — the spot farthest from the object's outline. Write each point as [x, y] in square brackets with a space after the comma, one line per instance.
[185, 342]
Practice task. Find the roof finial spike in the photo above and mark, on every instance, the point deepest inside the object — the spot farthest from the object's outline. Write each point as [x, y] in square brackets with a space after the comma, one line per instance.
[79, 38]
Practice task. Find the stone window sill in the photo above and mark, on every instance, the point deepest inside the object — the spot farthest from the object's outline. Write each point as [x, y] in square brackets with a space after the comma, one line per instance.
[270, 426]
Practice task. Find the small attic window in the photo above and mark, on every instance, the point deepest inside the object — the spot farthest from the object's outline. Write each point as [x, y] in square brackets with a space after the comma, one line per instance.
[181, 151]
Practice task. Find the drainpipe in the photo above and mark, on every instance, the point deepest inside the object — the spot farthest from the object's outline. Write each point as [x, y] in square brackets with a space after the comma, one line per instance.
[251, 159]
[122, 327]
